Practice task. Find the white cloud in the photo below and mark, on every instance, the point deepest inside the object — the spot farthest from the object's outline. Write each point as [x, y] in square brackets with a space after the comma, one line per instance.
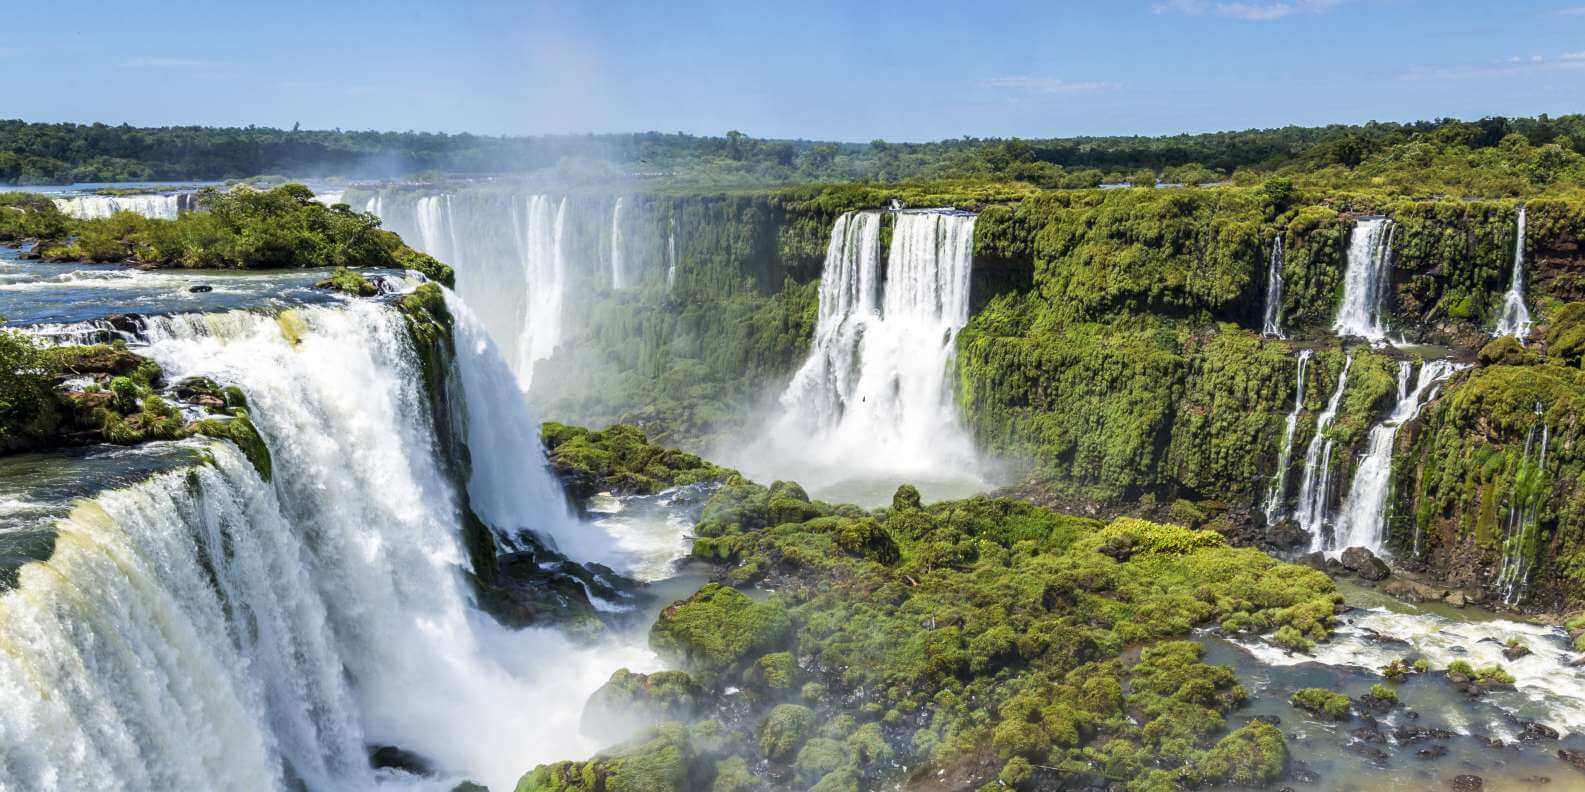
[1251, 10]
[1047, 85]
[1578, 10]
[1512, 66]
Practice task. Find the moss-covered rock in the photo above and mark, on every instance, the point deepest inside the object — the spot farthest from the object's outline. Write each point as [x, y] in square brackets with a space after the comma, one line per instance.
[785, 730]
[621, 459]
[1322, 703]
[629, 703]
[719, 629]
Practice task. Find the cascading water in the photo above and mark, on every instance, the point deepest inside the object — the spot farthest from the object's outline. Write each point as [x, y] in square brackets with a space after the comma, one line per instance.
[1515, 318]
[874, 391]
[338, 617]
[1362, 520]
[671, 254]
[618, 271]
[93, 207]
[1271, 325]
[1277, 493]
[1519, 548]
[1365, 280]
[1315, 486]
[516, 281]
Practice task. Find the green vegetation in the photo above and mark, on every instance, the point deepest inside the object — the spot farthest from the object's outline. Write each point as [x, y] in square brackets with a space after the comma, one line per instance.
[1492, 157]
[620, 459]
[934, 636]
[1322, 703]
[239, 229]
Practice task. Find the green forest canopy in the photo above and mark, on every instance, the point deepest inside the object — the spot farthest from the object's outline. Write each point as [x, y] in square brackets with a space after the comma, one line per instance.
[1490, 156]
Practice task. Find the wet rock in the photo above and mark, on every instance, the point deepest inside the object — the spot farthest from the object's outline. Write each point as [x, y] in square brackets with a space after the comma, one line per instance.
[1515, 651]
[1301, 773]
[1491, 742]
[1271, 719]
[201, 289]
[1431, 752]
[1408, 735]
[100, 360]
[1364, 563]
[1466, 783]
[1381, 638]
[1286, 535]
[1534, 781]
[1530, 731]
[1576, 759]
[1411, 591]
[1456, 598]
[129, 323]
[1368, 751]
[1370, 732]
[1577, 662]
[390, 757]
[1315, 560]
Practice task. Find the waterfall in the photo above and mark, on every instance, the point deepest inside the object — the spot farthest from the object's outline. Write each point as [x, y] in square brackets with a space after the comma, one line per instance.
[671, 254]
[1271, 325]
[1362, 519]
[92, 207]
[1277, 493]
[618, 275]
[1315, 485]
[1365, 281]
[513, 260]
[1519, 548]
[874, 395]
[1515, 318]
[213, 631]
[330, 197]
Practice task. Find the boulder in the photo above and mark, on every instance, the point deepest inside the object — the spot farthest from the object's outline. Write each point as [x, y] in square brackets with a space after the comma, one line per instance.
[1456, 598]
[1364, 563]
[1576, 759]
[1411, 591]
[1466, 783]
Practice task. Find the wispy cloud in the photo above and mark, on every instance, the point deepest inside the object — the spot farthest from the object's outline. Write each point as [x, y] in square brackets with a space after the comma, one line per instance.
[1511, 66]
[1578, 10]
[1028, 84]
[1251, 10]
[166, 62]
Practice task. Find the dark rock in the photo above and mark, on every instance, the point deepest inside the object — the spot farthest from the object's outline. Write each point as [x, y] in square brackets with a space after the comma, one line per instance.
[1271, 719]
[1286, 535]
[1370, 732]
[1408, 735]
[1315, 560]
[1301, 773]
[1530, 731]
[101, 360]
[1576, 759]
[1431, 752]
[129, 323]
[390, 757]
[1535, 781]
[1516, 651]
[1381, 638]
[1364, 563]
[1466, 783]
[201, 289]
[1368, 751]
[1491, 742]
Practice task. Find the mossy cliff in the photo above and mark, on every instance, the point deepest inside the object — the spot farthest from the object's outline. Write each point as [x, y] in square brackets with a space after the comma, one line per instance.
[1490, 494]
[976, 642]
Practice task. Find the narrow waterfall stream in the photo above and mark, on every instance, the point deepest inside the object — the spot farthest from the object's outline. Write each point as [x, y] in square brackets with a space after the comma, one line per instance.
[1315, 485]
[873, 401]
[1515, 318]
[1520, 545]
[1365, 280]
[1361, 520]
[1271, 324]
[1277, 490]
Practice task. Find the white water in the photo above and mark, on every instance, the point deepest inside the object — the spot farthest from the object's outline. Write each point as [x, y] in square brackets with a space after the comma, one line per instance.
[1362, 519]
[1545, 687]
[351, 626]
[330, 197]
[1315, 486]
[513, 259]
[1271, 325]
[618, 273]
[1277, 492]
[93, 207]
[1515, 318]
[873, 399]
[671, 255]
[1365, 280]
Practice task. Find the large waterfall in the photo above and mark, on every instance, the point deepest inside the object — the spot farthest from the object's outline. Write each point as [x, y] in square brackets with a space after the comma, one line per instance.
[1277, 492]
[1515, 318]
[89, 206]
[1271, 324]
[214, 631]
[1365, 280]
[874, 398]
[1315, 486]
[1362, 519]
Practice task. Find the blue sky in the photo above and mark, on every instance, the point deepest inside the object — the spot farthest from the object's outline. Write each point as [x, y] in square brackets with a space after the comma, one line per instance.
[812, 69]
